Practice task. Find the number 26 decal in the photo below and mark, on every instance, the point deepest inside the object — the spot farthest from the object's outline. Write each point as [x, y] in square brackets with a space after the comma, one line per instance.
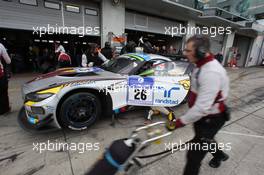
[140, 94]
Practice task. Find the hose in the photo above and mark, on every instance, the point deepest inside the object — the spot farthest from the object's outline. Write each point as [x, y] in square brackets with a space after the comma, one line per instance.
[163, 152]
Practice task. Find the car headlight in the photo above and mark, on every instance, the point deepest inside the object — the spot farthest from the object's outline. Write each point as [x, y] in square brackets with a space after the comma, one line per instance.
[36, 97]
[43, 94]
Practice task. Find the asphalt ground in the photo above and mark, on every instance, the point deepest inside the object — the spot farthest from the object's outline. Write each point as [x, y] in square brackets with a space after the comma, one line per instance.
[244, 132]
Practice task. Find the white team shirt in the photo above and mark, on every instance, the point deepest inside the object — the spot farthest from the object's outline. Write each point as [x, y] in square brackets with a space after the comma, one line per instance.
[4, 56]
[211, 81]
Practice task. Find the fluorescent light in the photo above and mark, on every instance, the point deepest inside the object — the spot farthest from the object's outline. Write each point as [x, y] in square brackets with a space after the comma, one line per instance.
[91, 12]
[72, 8]
[52, 5]
[151, 35]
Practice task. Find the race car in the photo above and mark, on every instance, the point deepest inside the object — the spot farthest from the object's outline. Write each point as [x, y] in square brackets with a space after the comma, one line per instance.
[76, 97]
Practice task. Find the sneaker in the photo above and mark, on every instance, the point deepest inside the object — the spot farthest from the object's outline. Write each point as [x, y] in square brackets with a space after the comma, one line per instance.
[215, 162]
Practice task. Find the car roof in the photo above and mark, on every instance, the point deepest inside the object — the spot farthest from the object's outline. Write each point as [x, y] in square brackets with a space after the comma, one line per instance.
[145, 57]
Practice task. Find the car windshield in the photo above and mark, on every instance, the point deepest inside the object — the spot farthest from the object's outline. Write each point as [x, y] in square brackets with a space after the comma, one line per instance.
[122, 65]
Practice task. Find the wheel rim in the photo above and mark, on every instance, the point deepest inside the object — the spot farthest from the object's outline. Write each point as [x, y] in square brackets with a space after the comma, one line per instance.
[81, 111]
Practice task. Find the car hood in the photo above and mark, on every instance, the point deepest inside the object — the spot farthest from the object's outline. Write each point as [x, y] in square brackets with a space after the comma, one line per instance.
[68, 75]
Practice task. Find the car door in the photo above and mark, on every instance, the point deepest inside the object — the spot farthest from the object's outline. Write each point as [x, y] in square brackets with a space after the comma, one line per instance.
[168, 87]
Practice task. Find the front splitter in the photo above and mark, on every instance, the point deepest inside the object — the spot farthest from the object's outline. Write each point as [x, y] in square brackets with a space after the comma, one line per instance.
[42, 127]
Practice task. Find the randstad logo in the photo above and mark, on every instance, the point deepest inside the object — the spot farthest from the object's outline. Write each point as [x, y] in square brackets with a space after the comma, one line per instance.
[167, 93]
[166, 101]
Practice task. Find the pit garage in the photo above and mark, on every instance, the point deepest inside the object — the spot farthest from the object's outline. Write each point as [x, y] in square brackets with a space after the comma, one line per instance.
[152, 28]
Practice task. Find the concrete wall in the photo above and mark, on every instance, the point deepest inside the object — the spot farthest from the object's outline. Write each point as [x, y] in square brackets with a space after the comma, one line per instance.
[112, 20]
[228, 43]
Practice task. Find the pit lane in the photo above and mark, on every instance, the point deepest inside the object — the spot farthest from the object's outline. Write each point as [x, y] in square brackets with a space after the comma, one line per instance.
[246, 97]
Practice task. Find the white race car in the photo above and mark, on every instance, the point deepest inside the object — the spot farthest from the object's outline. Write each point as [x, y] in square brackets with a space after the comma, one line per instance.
[76, 97]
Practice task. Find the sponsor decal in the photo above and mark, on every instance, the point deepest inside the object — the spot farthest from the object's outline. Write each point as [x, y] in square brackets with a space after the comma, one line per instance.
[81, 82]
[50, 109]
[167, 94]
[185, 83]
[166, 101]
[140, 90]
[88, 69]
[77, 129]
[140, 57]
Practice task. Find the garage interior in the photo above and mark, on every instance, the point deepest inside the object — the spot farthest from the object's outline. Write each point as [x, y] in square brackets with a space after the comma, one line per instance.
[19, 41]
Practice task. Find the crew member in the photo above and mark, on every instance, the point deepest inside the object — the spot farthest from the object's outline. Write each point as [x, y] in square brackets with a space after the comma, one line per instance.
[208, 112]
[59, 48]
[93, 57]
[64, 60]
[4, 100]
[107, 51]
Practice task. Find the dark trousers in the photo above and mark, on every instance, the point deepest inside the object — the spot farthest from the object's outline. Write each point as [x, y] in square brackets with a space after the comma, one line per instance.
[4, 101]
[205, 129]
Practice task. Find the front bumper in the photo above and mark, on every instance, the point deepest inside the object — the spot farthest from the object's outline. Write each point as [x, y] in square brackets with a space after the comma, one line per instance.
[39, 116]
[40, 127]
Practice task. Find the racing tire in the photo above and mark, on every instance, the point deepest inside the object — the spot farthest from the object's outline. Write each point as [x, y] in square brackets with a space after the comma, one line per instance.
[79, 111]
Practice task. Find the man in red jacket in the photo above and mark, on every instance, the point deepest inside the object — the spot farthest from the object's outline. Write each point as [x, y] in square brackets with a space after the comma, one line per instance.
[208, 112]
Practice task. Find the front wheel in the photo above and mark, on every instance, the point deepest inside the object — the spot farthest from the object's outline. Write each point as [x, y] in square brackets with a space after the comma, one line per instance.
[79, 111]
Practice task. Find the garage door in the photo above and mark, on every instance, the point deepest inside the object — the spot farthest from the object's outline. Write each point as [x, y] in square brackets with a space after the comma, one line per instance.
[26, 14]
[142, 22]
